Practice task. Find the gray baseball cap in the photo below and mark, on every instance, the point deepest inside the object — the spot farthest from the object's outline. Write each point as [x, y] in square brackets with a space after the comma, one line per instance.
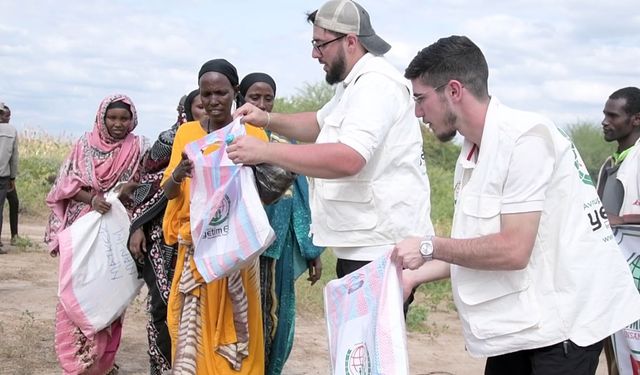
[349, 17]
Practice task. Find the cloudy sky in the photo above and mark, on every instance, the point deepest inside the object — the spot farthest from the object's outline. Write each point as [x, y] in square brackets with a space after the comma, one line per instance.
[58, 59]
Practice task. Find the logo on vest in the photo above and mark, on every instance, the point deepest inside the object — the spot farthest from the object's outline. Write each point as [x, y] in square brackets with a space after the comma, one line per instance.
[357, 361]
[215, 227]
[583, 173]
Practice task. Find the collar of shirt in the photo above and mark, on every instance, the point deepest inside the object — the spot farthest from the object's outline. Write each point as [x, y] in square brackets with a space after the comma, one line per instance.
[469, 154]
[618, 157]
[470, 150]
[355, 71]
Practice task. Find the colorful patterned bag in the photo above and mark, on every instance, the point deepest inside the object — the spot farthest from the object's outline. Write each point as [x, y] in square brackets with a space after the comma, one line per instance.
[98, 278]
[365, 321]
[626, 342]
[229, 226]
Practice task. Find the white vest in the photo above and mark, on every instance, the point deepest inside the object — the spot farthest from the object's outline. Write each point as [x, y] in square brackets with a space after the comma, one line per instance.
[576, 286]
[388, 199]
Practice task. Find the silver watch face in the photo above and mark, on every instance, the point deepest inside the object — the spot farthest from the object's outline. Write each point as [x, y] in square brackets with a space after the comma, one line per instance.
[426, 248]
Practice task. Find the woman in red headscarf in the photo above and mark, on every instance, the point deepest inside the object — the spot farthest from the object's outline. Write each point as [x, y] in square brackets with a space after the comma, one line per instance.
[99, 160]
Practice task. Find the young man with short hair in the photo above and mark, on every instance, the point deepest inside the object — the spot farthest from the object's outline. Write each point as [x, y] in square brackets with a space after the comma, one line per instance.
[537, 277]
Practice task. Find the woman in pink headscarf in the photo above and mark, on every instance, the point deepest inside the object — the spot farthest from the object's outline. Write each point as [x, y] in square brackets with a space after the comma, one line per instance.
[99, 160]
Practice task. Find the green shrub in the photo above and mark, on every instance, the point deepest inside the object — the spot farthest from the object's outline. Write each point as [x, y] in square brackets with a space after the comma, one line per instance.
[589, 141]
[310, 98]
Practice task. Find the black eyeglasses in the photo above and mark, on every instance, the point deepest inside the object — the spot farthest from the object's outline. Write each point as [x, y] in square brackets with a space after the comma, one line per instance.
[318, 46]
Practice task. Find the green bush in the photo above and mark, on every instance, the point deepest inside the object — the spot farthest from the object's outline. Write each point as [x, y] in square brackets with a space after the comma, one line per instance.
[310, 98]
[589, 141]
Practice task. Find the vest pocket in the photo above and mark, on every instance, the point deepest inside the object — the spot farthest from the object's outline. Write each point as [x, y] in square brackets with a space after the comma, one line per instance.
[349, 205]
[481, 214]
[496, 303]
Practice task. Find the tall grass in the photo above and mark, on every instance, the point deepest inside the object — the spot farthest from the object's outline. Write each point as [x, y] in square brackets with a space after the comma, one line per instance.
[40, 157]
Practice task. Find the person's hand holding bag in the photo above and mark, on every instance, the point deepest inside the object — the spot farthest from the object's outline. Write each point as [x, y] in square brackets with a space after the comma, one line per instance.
[272, 181]
[183, 170]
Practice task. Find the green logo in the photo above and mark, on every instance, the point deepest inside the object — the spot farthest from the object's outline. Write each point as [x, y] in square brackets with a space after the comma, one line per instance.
[634, 265]
[357, 361]
[583, 173]
[222, 213]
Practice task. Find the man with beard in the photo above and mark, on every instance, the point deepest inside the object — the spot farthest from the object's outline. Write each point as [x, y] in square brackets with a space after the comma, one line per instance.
[363, 150]
[537, 277]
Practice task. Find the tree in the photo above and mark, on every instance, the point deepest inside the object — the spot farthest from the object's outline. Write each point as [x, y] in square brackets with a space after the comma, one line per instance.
[588, 139]
[308, 99]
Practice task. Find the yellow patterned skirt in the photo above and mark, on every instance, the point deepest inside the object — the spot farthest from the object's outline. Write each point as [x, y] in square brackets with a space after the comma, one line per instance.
[215, 328]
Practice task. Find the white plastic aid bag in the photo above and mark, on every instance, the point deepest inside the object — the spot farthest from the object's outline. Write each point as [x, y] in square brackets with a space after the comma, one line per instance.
[626, 342]
[229, 227]
[97, 275]
[365, 321]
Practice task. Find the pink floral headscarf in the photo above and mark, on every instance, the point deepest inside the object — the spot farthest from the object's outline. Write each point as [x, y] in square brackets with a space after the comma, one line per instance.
[96, 164]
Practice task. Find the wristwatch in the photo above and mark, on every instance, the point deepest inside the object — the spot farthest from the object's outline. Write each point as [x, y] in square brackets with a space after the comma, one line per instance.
[426, 248]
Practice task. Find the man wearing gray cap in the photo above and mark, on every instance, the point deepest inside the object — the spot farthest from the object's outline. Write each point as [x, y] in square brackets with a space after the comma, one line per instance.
[8, 159]
[369, 186]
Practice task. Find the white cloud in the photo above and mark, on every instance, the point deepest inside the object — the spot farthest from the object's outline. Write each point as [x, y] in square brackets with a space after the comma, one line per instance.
[59, 59]
[574, 91]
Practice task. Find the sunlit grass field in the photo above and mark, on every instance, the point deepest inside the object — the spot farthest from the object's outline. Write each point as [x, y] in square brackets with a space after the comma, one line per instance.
[40, 157]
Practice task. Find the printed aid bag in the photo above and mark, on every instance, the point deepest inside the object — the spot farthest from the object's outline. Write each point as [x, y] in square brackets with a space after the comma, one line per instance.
[229, 226]
[626, 342]
[365, 321]
[98, 278]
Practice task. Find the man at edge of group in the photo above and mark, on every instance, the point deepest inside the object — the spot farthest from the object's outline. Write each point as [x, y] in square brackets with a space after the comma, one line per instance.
[8, 160]
[537, 277]
[619, 190]
[368, 185]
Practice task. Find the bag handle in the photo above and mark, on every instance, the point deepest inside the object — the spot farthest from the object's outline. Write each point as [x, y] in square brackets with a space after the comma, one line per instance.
[222, 137]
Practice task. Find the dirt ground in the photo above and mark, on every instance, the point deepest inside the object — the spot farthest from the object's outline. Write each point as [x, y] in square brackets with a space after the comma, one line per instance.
[28, 286]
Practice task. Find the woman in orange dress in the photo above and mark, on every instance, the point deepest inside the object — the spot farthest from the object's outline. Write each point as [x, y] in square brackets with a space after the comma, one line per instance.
[215, 328]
